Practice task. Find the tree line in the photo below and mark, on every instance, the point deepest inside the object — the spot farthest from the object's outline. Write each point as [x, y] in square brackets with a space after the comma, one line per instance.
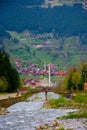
[76, 77]
[9, 77]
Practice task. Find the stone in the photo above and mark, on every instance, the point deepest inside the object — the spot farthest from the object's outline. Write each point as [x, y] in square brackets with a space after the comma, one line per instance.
[3, 111]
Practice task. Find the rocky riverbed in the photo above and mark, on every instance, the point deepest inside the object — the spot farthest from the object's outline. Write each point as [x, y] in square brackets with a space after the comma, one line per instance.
[30, 115]
[69, 124]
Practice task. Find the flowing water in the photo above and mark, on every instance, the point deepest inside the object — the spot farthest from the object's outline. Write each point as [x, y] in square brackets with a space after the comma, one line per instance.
[30, 114]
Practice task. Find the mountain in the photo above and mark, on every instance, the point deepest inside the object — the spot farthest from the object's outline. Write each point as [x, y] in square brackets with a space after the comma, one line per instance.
[64, 20]
[28, 24]
[45, 48]
[3, 35]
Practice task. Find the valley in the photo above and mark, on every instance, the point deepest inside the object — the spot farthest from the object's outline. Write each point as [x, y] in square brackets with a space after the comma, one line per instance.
[45, 48]
[43, 32]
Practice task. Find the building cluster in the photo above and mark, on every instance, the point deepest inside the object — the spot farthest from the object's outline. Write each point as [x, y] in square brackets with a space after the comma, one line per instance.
[35, 82]
[45, 44]
[37, 70]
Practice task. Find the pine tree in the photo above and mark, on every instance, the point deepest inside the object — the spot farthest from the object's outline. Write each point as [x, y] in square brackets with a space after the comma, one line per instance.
[11, 80]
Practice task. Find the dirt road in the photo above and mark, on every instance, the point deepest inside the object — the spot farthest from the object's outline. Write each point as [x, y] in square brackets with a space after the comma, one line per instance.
[5, 96]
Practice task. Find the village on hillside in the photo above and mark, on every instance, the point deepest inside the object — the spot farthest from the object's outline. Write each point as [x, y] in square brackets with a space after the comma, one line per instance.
[37, 70]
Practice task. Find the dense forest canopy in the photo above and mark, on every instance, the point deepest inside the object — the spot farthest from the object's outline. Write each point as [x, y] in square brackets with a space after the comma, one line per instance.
[64, 20]
[3, 33]
[20, 2]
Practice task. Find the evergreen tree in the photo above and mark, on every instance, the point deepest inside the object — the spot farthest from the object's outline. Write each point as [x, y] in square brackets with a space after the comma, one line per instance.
[3, 84]
[84, 72]
[14, 80]
[11, 80]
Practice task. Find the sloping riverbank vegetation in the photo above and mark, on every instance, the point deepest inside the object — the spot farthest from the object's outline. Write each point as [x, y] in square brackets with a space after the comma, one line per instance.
[78, 118]
[79, 101]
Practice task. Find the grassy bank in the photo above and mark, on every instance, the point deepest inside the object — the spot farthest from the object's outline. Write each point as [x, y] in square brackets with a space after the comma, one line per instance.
[78, 101]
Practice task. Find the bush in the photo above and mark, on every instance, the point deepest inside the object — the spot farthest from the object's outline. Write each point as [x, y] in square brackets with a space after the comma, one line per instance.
[74, 115]
[60, 102]
[81, 98]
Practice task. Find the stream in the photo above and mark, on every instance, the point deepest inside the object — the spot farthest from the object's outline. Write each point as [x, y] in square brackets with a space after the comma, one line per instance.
[30, 114]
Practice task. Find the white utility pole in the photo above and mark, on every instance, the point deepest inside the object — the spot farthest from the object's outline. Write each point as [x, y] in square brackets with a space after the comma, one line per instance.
[49, 76]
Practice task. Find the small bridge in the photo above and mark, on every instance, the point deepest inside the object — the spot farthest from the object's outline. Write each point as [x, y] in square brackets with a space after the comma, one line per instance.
[24, 90]
[52, 89]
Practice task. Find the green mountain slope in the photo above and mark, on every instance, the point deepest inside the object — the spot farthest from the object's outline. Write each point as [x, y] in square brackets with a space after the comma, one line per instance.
[64, 51]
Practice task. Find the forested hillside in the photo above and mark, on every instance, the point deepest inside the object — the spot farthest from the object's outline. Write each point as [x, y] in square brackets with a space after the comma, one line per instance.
[63, 20]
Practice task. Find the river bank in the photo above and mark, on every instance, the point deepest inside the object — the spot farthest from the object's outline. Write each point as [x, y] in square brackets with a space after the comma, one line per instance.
[7, 100]
[31, 114]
